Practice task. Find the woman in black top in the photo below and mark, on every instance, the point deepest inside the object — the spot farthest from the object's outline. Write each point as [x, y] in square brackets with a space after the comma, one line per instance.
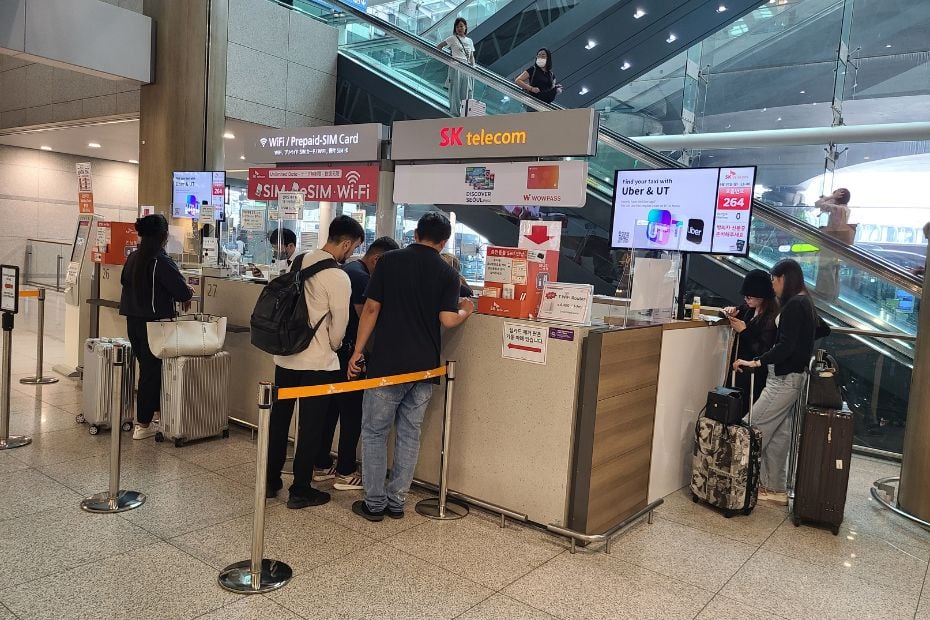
[539, 80]
[754, 323]
[152, 283]
[787, 361]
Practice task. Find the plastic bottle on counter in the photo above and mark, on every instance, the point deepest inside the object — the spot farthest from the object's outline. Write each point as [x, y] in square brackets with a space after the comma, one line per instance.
[696, 308]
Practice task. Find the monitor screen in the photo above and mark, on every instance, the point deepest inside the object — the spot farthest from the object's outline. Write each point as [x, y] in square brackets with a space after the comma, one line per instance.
[705, 210]
[81, 236]
[191, 189]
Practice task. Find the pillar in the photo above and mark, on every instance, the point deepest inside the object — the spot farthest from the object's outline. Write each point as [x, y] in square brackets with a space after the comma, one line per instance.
[386, 210]
[183, 112]
[914, 488]
[326, 216]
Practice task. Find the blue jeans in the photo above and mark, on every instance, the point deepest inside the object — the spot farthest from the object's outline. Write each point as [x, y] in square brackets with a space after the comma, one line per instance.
[404, 405]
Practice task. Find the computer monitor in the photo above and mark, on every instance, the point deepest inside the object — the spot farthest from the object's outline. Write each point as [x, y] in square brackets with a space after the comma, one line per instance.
[191, 189]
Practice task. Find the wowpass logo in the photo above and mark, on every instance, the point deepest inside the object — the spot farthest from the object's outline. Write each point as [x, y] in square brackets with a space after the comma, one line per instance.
[457, 136]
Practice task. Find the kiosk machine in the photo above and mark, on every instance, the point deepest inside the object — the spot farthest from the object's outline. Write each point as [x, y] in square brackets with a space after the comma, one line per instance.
[80, 285]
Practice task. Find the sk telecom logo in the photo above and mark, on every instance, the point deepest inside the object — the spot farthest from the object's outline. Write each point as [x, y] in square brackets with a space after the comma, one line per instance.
[730, 174]
[457, 136]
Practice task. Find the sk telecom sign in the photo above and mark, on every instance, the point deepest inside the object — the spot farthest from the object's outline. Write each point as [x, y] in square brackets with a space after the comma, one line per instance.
[335, 184]
[315, 144]
[560, 133]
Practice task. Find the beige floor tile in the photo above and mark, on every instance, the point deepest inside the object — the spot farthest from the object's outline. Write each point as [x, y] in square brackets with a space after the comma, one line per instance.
[66, 399]
[379, 582]
[9, 462]
[795, 589]
[6, 614]
[477, 548]
[854, 553]
[73, 444]
[723, 608]
[499, 606]
[596, 585]
[693, 556]
[864, 514]
[154, 582]
[923, 612]
[44, 419]
[339, 511]
[251, 608]
[55, 540]
[181, 506]
[245, 474]
[752, 529]
[28, 491]
[215, 453]
[297, 537]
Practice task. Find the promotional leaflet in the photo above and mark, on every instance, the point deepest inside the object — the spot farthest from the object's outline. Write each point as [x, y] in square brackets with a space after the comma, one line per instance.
[704, 210]
[85, 187]
[569, 303]
[252, 219]
[291, 205]
[550, 184]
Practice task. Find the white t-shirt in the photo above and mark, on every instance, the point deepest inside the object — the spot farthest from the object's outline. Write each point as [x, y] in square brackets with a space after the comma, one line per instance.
[328, 291]
[462, 47]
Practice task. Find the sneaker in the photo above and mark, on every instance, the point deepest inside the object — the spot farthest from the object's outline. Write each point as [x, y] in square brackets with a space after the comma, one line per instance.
[322, 475]
[361, 509]
[394, 514]
[778, 498]
[352, 482]
[313, 498]
[144, 432]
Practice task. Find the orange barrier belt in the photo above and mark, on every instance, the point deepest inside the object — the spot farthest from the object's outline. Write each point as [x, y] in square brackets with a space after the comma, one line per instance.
[355, 386]
[29, 293]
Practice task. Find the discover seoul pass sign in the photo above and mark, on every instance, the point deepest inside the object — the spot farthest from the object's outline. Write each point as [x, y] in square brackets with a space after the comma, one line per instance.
[559, 133]
[315, 144]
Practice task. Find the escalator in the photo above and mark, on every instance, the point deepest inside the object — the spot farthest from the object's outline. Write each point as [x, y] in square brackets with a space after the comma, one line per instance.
[386, 74]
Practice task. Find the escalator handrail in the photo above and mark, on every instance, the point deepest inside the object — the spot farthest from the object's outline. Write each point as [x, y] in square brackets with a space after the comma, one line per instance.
[898, 276]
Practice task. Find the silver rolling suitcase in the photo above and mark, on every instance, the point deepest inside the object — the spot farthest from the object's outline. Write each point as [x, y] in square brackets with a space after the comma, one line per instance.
[99, 392]
[194, 398]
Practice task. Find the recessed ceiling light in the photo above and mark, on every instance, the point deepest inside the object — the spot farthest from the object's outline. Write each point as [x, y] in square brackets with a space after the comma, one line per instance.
[229, 135]
[866, 157]
[45, 148]
[889, 45]
[671, 38]
[93, 145]
[639, 13]
[242, 157]
[626, 65]
[133, 161]
[765, 109]
[591, 44]
[721, 8]
[803, 92]
[583, 91]
[778, 120]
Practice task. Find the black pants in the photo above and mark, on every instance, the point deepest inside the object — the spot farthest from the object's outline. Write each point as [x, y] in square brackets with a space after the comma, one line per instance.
[309, 428]
[148, 400]
[346, 409]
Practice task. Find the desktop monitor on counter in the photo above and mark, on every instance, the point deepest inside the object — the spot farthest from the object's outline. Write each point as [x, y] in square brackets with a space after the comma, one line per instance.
[191, 189]
[705, 210]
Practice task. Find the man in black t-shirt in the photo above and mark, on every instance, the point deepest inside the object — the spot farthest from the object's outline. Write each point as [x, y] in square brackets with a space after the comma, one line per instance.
[347, 408]
[411, 296]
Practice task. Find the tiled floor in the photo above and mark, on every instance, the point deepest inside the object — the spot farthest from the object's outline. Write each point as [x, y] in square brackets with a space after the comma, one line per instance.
[161, 561]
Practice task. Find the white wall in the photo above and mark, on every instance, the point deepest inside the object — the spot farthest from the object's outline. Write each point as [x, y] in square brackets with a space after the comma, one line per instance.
[281, 66]
[38, 197]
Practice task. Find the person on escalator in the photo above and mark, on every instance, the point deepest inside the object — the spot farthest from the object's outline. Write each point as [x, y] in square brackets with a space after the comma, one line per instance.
[460, 85]
[754, 324]
[539, 80]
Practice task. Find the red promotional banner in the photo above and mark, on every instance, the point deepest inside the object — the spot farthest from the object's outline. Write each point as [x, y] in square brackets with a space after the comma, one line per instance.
[85, 202]
[333, 184]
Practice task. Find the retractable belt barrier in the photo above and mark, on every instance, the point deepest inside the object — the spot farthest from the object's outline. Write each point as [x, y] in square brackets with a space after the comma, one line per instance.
[259, 574]
[31, 293]
[38, 378]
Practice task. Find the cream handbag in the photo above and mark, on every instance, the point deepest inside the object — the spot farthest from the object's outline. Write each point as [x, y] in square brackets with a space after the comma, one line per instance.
[190, 335]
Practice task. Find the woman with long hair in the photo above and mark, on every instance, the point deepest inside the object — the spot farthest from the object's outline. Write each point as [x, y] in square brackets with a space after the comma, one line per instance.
[453, 261]
[152, 283]
[798, 326]
[754, 323]
[461, 86]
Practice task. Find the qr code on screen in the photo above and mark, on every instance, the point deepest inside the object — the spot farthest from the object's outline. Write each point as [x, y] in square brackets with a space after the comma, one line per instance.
[623, 236]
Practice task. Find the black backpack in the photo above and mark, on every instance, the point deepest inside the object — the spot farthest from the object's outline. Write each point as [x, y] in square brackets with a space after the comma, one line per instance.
[280, 321]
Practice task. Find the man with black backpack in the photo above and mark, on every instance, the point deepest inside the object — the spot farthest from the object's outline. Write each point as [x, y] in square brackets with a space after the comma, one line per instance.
[327, 293]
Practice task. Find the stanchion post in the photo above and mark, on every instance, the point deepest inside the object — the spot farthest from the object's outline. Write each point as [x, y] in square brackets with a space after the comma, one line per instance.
[38, 379]
[115, 499]
[258, 574]
[17, 441]
[442, 508]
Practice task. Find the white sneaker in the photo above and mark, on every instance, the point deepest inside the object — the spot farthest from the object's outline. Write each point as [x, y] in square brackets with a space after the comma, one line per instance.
[322, 475]
[778, 498]
[352, 482]
[144, 432]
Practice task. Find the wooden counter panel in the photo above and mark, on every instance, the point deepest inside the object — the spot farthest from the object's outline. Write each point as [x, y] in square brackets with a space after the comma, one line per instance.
[623, 423]
[629, 360]
[618, 489]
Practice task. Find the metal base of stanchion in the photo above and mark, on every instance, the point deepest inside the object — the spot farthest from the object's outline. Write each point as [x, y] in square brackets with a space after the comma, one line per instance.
[39, 381]
[878, 495]
[238, 577]
[430, 508]
[101, 502]
[15, 441]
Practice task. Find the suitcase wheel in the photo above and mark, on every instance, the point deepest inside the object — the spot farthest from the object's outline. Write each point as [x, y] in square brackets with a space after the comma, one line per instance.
[80, 419]
[747, 511]
[179, 443]
[94, 429]
[835, 529]
[695, 498]
[225, 433]
[797, 521]
[127, 426]
[728, 514]
[159, 437]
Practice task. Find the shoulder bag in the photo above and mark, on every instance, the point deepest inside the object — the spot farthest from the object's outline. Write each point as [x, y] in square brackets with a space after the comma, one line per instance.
[190, 335]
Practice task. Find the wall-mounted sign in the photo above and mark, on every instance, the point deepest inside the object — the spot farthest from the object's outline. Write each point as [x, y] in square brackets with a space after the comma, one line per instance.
[525, 343]
[551, 184]
[335, 184]
[315, 144]
[291, 205]
[560, 133]
[537, 235]
[252, 219]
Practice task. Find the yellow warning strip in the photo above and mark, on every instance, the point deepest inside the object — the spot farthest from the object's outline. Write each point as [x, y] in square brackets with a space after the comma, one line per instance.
[355, 386]
[29, 293]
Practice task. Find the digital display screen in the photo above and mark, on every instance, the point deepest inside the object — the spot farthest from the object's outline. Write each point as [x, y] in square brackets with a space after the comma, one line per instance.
[80, 241]
[192, 189]
[705, 210]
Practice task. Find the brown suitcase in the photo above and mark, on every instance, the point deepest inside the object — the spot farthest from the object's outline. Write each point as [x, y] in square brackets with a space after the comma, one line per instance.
[822, 477]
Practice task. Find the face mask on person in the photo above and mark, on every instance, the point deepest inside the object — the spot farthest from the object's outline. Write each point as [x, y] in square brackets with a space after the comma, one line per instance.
[541, 63]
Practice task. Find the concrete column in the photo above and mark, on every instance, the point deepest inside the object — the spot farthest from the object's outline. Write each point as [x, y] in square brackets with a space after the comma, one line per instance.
[326, 216]
[386, 212]
[183, 112]
[914, 488]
